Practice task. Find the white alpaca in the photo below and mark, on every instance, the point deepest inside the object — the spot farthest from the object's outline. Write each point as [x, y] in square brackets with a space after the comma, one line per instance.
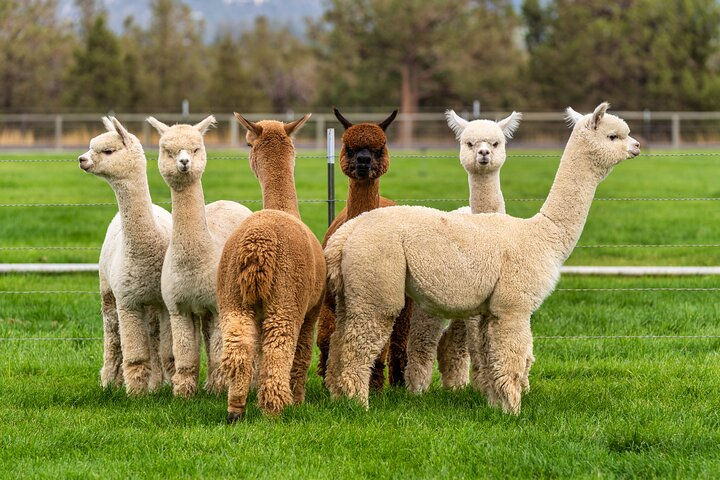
[482, 154]
[491, 264]
[137, 343]
[189, 273]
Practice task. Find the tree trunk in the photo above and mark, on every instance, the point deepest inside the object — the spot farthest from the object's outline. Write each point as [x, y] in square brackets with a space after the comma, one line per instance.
[408, 102]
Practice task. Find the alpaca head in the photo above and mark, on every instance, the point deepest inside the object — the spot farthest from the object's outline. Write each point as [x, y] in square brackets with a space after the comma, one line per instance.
[271, 146]
[606, 137]
[482, 142]
[364, 154]
[115, 154]
[182, 156]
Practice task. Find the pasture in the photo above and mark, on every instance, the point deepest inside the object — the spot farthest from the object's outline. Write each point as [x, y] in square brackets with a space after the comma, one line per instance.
[600, 407]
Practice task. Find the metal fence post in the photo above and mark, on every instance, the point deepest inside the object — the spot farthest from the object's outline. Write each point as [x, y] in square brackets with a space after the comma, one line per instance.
[58, 131]
[331, 174]
[675, 130]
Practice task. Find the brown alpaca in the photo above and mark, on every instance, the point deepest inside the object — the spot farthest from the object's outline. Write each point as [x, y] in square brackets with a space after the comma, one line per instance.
[364, 159]
[271, 282]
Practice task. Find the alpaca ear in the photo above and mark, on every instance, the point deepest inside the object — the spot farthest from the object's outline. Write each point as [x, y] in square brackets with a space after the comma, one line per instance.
[345, 122]
[456, 123]
[124, 135]
[510, 124]
[108, 124]
[159, 126]
[598, 114]
[572, 117]
[386, 123]
[293, 127]
[249, 126]
[203, 126]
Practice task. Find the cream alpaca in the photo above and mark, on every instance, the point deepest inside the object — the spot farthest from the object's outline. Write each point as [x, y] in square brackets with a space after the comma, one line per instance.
[137, 342]
[482, 154]
[190, 269]
[492, 264]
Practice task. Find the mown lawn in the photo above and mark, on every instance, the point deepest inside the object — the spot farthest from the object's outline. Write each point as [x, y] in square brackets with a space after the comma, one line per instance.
[598, 407]
[610, 407]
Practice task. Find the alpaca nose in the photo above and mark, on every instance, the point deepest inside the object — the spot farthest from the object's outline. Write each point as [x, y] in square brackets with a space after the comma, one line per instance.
[484, 152]
[184, 161]
[363, 158]
[85, 162]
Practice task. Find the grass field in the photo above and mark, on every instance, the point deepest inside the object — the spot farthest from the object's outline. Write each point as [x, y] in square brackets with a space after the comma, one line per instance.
[612, 407]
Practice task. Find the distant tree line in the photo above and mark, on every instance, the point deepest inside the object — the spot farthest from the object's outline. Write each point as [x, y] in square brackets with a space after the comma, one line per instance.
[368, 55]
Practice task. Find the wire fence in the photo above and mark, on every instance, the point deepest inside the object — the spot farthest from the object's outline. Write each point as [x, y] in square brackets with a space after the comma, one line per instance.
[567, 291]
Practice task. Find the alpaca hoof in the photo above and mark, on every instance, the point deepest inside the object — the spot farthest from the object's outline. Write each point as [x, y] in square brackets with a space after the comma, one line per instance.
[233, 417]
[184, 388]
[137, 378]
[272, 401]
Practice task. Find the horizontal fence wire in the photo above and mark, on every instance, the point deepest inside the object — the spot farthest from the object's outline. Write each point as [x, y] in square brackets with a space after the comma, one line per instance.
[620, 245]
[629, 289]
[538, 337]
[407, 200]
[400, 155]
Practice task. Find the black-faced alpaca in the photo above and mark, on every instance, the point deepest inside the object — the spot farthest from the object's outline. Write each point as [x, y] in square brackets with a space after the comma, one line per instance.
[364, 159]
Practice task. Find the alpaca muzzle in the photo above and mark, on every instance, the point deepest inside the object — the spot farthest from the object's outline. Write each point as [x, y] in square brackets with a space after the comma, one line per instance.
[183, 161]
[86, 162]
[633, 147]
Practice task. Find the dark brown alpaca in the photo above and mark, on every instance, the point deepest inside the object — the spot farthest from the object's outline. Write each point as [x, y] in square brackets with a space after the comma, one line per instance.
[364, 159]
[271, 282]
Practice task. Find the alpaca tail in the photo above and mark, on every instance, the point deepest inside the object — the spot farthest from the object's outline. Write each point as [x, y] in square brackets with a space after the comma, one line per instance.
[333, 256]
[256, 260]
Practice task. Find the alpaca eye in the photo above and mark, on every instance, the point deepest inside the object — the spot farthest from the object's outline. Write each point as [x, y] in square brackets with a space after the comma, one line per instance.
[496, 144]
[469, 144]
[107, 152]
[196, 151]
[249, 144]
[348, 152]
[613, 137]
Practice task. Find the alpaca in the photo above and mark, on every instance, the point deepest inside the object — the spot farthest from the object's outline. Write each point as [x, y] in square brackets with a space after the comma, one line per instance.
[189, 273]
[137, 339]
[482, 154]
[492, 264]
[364, 159]
[271, 282]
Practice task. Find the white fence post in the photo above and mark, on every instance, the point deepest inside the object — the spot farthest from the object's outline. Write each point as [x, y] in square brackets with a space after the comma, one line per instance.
[331, 174]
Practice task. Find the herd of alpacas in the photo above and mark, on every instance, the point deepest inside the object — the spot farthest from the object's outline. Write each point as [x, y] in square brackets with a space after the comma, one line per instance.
[251, 286]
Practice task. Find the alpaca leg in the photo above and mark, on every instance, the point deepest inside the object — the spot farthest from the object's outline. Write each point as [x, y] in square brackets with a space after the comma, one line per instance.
[398, 355]
[167, 360]
[482, 380]
[135, 341]
[362, 340]
[215, 382]
[453, 356]
[240, 340]
[280, 331]
[510, 343]
[326, 327]
[333, 361]
[377, 374]
[152, 314]
[303, 356]
[111, 372]
[186, 350]
[423, 338]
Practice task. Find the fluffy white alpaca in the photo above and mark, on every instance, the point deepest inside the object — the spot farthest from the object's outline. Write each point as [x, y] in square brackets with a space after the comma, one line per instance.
[492, 264]
[189, 274]
[137, 343]
[482, 155]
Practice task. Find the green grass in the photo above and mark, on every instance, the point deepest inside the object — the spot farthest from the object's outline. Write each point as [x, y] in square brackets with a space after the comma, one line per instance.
[609, 222]
[598, 407]
[608, 408]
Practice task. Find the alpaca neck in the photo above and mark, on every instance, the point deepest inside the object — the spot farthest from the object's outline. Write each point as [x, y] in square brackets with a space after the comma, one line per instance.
[189, 227]
[279, 193]
[485, 193]
[363, 195]
[570, 197]
[136, 214]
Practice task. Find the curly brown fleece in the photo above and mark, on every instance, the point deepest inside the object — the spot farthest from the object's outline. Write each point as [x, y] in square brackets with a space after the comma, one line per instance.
[271, 282]
[364, 159]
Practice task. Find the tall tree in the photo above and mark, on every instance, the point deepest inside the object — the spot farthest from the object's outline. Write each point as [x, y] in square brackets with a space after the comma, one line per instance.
[34, 51]
[414, 50]
[232, 86]
[96, 81]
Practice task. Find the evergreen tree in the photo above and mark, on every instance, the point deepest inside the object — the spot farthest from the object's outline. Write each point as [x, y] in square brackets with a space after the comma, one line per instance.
[231, 86]
[96, 79]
